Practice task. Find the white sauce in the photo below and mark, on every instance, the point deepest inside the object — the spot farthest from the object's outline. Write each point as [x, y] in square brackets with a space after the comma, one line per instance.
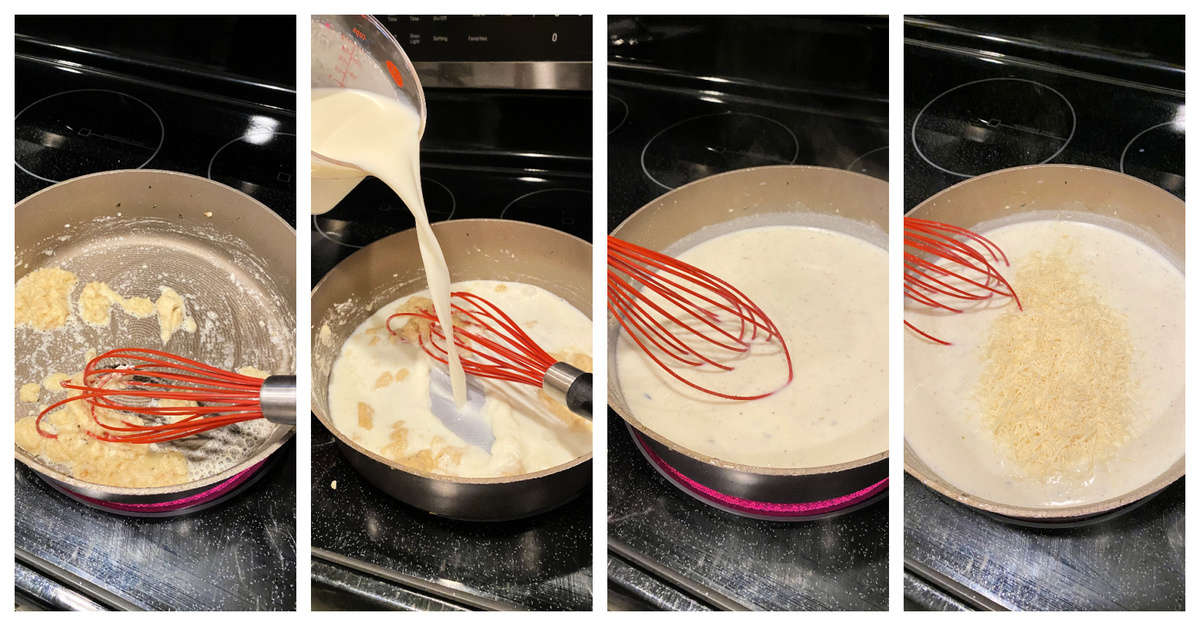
[941, 413]
[827, 293]
[381, 136]
[529, 437]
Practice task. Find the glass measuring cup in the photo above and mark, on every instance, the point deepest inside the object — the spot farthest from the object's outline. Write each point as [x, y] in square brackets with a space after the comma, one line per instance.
[356, 52]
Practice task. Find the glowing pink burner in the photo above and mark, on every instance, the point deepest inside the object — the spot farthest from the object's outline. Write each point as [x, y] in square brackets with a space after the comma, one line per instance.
[780, 511]
[189, 504]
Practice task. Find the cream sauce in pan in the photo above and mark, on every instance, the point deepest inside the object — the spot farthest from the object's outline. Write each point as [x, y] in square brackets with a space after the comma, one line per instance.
[379, 393]
[943, 423]
[827, 293]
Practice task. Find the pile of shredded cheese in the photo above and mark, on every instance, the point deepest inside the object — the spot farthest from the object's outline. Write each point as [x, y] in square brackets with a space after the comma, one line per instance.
[1057, 389]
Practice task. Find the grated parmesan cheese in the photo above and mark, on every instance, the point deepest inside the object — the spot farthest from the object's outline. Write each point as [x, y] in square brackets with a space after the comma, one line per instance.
[1057, 389]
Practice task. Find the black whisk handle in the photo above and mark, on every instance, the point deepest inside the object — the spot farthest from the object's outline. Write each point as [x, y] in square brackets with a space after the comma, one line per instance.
[579, 396]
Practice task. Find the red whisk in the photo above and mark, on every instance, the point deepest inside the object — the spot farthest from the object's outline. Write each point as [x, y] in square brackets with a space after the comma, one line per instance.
[969, 275]
[492, 345]
[714, 322]
[133, 381]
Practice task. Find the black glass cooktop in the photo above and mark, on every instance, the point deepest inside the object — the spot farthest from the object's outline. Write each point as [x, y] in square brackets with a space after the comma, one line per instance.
[82, 110]
[485, 154]
[500, 154]
[681, 108]
[239, 555]
[672, 121]
[372, 551]
[972, 105]
[979, 100]
[668, 551]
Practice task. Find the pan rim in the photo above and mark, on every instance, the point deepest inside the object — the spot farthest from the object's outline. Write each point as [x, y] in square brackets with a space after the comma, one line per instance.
[279, 436]
[714, 461]
[942, 486]
[463, 480]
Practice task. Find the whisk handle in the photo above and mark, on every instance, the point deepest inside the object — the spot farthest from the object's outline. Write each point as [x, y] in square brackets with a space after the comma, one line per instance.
[278, 399]
[571, 386]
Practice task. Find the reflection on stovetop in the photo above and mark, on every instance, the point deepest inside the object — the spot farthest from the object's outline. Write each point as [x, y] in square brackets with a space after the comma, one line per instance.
[1133, 562]
[834, 564]
[73, 119]
[539, 563]
[967, 112]
[239, 555]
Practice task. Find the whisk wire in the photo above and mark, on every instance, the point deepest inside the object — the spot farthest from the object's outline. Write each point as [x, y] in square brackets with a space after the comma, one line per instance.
[623, 304]
[669, 291]
[682, 316]
[968, 271]
[146, 377]
[724, 296]
[493, 343]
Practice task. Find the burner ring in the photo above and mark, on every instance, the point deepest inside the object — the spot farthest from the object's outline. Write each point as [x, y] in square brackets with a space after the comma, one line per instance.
[773, 511]
[244, 137]
[862, 159]
[751, 159]
[612, 128]
[259, 168]
[557, 215]
[992, 122]
[376, 236]
[1171, 181]
[210, 497]
[521, 197]
[162, 131]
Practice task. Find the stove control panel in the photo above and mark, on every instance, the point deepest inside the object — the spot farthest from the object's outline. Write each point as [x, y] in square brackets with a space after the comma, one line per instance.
[474, 38]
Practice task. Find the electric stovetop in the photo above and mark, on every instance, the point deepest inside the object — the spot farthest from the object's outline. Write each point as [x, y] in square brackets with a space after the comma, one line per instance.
[1026, 99]
[80, 112]
[681, 108]
[498, 154]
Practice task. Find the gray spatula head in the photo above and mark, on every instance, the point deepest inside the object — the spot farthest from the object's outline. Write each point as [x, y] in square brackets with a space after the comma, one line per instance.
[467, 421]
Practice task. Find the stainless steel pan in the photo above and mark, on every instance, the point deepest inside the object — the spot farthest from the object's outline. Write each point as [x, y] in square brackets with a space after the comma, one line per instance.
[1075, 188]
[391, 268]
[232, 257]
[756, 196]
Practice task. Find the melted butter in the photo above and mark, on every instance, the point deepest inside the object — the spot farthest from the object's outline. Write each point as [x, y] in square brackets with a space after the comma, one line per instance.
[43, 298]
[92, 460]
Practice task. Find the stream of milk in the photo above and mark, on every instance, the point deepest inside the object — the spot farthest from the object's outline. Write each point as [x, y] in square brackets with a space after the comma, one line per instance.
[381, 136]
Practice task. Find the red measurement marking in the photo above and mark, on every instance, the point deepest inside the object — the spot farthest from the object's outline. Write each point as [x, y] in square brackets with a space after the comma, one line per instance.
[395, 72]
[343, 66]
[359, 34]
